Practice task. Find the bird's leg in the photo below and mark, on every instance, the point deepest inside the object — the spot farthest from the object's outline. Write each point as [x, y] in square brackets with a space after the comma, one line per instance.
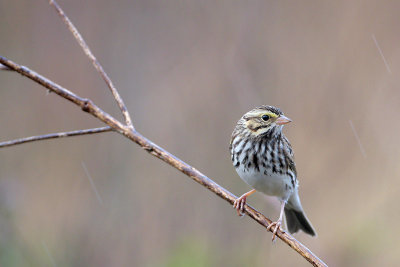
[239, 202]
[278, 223]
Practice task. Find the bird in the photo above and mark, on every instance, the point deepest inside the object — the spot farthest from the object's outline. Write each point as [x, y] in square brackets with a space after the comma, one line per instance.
[264, 159]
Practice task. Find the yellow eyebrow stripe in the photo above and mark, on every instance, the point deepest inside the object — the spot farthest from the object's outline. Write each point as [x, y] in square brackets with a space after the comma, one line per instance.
[259, 113]
[272, 115]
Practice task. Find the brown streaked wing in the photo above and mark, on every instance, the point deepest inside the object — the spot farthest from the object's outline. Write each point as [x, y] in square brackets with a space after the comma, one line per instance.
[289, 155]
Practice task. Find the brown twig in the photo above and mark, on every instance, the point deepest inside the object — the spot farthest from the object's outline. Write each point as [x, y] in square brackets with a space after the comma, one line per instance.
[88, 106]
[54, 136]
[95, 62]
[2, 67]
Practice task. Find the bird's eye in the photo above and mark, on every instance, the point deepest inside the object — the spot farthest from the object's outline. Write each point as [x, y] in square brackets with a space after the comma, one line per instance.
[265, 117]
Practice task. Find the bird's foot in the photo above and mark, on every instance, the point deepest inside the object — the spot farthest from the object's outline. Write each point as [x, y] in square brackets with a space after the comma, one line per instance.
[239, 205]
[277, 226]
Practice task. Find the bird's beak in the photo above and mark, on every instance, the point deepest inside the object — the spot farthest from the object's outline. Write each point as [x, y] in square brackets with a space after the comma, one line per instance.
[282, 120]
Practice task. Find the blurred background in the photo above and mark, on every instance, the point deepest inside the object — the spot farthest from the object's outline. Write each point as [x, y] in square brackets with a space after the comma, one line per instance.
[187, 71]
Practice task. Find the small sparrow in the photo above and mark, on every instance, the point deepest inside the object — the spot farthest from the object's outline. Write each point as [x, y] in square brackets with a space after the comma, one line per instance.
[263, 158]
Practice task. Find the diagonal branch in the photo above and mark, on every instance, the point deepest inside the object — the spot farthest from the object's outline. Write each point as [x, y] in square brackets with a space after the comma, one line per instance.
[54, 136]
[88, 106]
[95, 62]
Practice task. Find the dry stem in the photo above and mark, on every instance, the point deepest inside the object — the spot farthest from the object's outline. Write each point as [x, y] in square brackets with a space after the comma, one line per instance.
[54, 136]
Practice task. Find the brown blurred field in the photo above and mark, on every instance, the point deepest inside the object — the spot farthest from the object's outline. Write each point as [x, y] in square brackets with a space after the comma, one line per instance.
[187, 71]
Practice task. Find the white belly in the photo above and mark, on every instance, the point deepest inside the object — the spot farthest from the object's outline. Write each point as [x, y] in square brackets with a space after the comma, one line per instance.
[273, 185]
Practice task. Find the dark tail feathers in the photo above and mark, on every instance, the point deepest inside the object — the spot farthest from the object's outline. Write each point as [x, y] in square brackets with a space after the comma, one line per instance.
[297, 220]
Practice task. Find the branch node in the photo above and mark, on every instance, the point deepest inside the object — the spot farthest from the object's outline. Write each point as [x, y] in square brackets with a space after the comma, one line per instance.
[149, 149]
[86, 105]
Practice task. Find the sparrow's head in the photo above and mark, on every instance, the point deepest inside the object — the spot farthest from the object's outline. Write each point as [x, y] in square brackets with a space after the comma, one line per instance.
[264, 120]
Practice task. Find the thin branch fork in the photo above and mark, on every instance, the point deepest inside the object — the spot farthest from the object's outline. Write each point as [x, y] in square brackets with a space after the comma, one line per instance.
[95, 62]
[88, 106]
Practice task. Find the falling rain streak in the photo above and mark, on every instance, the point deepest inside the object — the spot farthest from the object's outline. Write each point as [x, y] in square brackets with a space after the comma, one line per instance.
[48, 253]
[358, 139]
[380, 52]
[92, 183]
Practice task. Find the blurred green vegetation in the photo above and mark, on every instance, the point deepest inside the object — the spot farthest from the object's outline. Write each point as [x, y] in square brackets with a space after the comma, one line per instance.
[190, 253]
